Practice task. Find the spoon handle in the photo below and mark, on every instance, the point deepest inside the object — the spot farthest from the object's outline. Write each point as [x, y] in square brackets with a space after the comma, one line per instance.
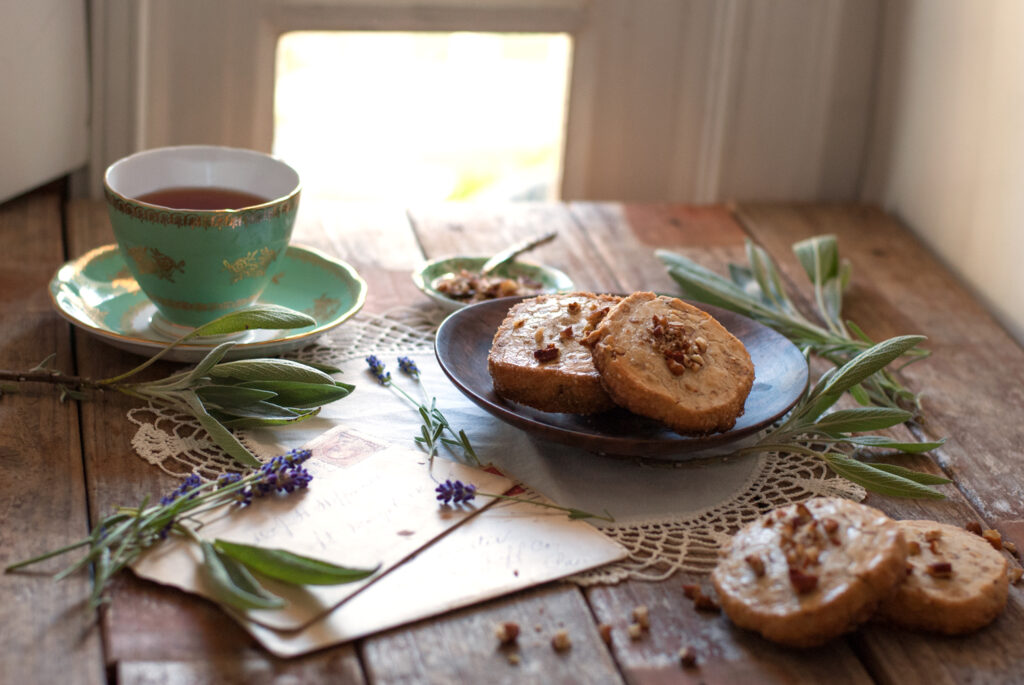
[509, 253]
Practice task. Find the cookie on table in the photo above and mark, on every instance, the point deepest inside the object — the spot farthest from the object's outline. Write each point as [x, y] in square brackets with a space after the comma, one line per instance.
[537, 359]
[807, 573]
[955, 581]
[662, 358]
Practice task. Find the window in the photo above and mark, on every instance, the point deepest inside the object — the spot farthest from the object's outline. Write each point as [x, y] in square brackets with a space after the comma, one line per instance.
[425, 116]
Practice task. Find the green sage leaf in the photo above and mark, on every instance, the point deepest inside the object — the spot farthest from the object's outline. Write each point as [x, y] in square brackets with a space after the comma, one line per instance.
[871, 360]
[220, 435]
[252, 422]
[917, 476]
[879, 480]
[291, 568]
[889, 443]
[861, 419]
[232, 583]
[270, 370]
[232, 395]
[301, 395]
[819, 256]
[256, 410]
[259, 316]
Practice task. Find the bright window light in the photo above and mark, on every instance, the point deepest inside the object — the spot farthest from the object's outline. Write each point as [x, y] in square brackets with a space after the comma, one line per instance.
[408, 117]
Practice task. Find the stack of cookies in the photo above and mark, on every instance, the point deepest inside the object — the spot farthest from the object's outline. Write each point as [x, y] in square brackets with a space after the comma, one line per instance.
[806, 573]
[653, 355]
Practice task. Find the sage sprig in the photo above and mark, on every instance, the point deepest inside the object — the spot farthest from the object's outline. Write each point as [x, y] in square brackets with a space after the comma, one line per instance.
[757, 291]
[221, 395]
[835, 437]
[232, 569]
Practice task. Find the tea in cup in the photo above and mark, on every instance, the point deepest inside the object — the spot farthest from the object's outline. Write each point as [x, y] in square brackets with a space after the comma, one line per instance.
[201, 228]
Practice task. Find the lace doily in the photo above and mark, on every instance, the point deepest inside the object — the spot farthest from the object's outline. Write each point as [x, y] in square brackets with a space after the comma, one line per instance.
[657, 548]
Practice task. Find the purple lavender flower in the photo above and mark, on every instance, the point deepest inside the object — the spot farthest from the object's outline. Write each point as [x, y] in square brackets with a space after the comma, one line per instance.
[408, 366]
[455, 492]
[283, 474]
[377, 369]
[189, 484]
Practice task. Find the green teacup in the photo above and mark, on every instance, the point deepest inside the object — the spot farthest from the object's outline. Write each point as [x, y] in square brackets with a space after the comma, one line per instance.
[201, 228]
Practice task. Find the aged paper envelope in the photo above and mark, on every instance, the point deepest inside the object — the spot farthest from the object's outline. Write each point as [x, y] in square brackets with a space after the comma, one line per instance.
[505, 548]
[378, 510]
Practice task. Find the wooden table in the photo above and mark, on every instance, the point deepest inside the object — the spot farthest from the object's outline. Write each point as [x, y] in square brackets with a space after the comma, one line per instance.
[63, 465]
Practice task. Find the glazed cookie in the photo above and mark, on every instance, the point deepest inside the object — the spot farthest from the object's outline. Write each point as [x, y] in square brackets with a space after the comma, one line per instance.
[662, 358]
[807, 573]
[955, 583]
[537, 358]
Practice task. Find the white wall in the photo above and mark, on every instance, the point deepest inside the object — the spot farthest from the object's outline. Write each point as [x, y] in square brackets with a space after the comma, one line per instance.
[44, 78]
[948, 155]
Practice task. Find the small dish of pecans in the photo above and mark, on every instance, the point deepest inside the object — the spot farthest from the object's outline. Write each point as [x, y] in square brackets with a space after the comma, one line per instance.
[454, 282]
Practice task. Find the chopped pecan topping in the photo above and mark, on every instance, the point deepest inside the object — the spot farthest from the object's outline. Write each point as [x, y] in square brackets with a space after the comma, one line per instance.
[1014, 573]
[507, 632]
[566, 333]
[1010, 547]
[574, 307]
[993, 537]
[701, 602]
[688, 657]
[635, 631]
[519, 323]
[701, 343]
[756, 564]
[803, 514]
[547, 354]
[642, 616]
[595, 317]
[940, 569]
[913, 548]
[932, 535]
[802, 582]
[910, 568]
[830, 525]
[674, 367]
[538, 336]
[560, 641]
[605, 631]
[934, 546]
[974, 527]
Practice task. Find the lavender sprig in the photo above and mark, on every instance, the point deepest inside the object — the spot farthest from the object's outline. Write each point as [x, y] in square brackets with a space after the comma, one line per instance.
[120, 538]
[456, 492]
[434, 422]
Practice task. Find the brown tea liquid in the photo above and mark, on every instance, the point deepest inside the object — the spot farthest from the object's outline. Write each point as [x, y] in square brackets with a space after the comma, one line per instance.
[202, 198]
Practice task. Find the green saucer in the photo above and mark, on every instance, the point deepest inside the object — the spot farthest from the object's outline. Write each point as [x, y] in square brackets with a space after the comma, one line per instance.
[97, 294]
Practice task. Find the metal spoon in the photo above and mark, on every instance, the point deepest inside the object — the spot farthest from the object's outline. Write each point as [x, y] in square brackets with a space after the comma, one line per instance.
[509, 253]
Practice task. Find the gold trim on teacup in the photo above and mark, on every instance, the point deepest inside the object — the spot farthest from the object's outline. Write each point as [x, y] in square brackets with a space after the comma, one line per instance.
[252, 265]
[213, 218]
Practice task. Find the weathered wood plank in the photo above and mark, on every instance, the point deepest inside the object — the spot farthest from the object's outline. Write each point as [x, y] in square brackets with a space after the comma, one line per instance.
[462, 648]
[897, 289]
[146, 622]
[481, 231]
[466, 639]
[725, 654]
[47, 632]
[375, 239]
[626, 238]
